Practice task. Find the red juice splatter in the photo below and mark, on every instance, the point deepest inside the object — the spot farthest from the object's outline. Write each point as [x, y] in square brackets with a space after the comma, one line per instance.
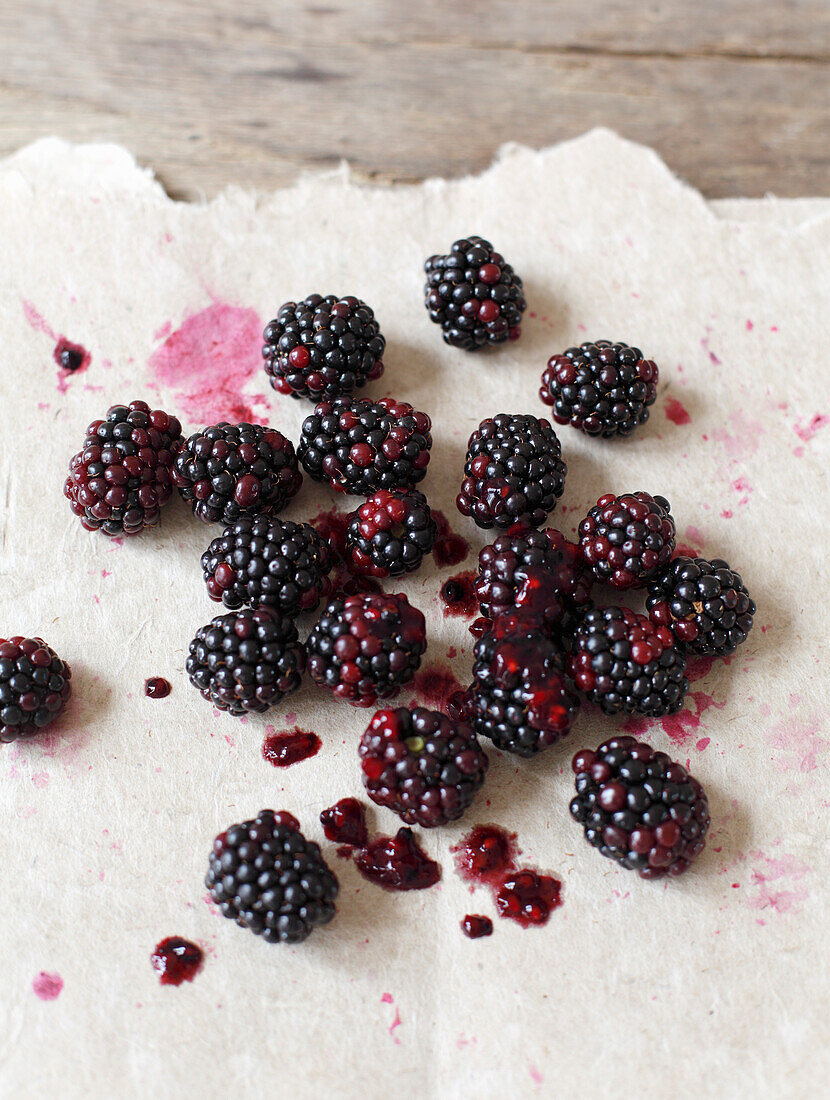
[450, 548]
[345, 823]
[676, 412]
[485, 854]
[529, 898]
[209, 360]
[71, 358]
[344, 581]
[435, 684]
[287, 747]
[397, 863]
[47, 986]
[474, 926]
[458, 595]
[156, 687]
[176, 960]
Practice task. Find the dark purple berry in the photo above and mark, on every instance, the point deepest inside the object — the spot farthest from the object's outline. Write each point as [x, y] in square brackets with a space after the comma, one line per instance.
[628, 540]
[34, 687]
[704, 603]
[391, 533]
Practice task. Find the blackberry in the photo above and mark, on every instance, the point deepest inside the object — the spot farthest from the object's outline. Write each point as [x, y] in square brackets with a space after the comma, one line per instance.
[232, 470]
[267, 877]
[639, 807]
[359, 446]
[628, 540]
[520, 697]
[513, 472]
[365, 647]
[600, 388]
[474, 296]
[538, 571]
[34, 687]
[260, 561]
[390, 534]
[623, 662]
[323, 347]
[422, 765]
[121, 478]
[704, 603]
[247, 660]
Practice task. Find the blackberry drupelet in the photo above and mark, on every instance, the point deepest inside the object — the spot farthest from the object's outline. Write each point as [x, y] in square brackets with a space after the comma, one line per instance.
[365, 647]
[521, 697]
[704, 603]
[121, 478]
[623, 662]
[359, 446]
[628, 540]
[323, 347]
[247, 660]
[260, 561]
[600, 388]
[267, 877]
[639, 807]
[513, 472]
[422, 765]
[390, 534]
[475, 297]
[538, 571]
[34, 687]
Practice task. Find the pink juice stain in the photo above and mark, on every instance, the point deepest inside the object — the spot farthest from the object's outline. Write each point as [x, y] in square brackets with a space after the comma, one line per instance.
[680, 727]
[47, 986]
[676, 411]
[209, 360]
[70, 357]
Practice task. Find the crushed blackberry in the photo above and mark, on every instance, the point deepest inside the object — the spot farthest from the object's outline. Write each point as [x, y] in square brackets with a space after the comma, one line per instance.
[639, 807]
[345, 823]
[261, 561]
[121, 478]
[397, 863]
[623, 662]
[474, 926]
[365, 647]
[391, 533]
[231, 470]
[246, 660]
[35, 686]
[323, 347]
[422, 765]
[474, 295]
[458, 595]
[528, 898]
[600, 388]
[176, 960]
[539, 571]
[704, 603]
[359, 446]
[267, 877]
[513, 473]
[521, 697]
[628, 540]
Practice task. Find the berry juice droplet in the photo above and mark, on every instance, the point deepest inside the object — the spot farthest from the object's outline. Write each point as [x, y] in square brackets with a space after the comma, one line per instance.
[69, 356]
[484, 855]
[47, 986]
[529, 898]
[397, 863]
[459, 596]
[176, 960]
[449, 548]
[290, 747]
[474, 927]
[345, 823]
[157, 687]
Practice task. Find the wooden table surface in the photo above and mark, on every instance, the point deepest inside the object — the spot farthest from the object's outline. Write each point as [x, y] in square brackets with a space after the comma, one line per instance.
[734, 94]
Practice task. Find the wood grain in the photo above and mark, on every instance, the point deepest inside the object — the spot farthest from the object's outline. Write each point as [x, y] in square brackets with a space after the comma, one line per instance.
[734, 94]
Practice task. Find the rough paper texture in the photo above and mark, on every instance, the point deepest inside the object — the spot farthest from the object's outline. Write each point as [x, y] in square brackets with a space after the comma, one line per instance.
[715, 984]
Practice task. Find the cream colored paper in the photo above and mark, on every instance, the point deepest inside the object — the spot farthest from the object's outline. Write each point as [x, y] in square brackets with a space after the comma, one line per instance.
[713, 985]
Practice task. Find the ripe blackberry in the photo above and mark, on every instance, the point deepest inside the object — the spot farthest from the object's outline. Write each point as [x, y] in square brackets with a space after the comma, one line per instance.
[623, 662]
[323, 347]
[639, 807]
[260, 561]
[538, 571]
[247, 660]
[422, 765]
[34, 687]
[704, 604]
[600, 388]
[359, 446]
[232, 470]
[520, 697]
[121, 477]
[513, 473]
[267, 877]
[628, 540]
[365, 647]
[474, 296]
[390, 534]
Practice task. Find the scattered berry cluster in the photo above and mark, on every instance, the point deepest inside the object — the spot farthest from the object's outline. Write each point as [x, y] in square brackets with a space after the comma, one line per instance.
[543, 645]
